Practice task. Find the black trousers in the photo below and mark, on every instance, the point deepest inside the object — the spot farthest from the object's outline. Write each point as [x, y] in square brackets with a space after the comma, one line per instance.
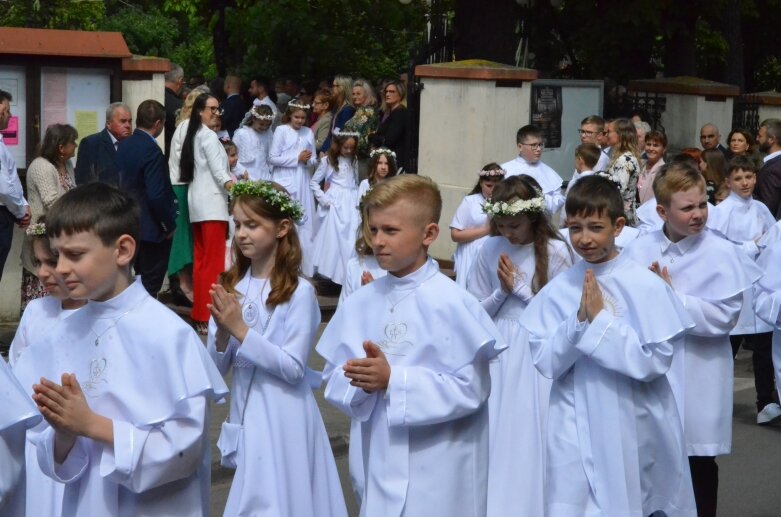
[762, 360]
[152, 264]
[7, 221]
[705, 479]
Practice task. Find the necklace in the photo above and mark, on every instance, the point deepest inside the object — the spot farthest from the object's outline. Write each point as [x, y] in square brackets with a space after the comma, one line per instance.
[250, 312]
[393, 305]
[114, 324]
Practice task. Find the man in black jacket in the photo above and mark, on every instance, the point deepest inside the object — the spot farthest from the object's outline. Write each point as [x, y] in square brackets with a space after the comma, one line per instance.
[96, 160]
[768, 188]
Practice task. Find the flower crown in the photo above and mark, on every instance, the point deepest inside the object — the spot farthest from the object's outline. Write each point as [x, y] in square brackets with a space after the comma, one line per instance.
[36, 230]
[298, 106]
[382, 150]
[492, 173]
[534, 205]
[256, 114]
[288, 206]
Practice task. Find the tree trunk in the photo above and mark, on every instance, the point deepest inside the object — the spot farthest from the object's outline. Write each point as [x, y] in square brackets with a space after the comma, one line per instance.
[483, 32]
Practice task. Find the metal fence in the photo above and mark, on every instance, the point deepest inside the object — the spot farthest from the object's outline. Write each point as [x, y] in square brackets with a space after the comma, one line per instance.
[745, 113]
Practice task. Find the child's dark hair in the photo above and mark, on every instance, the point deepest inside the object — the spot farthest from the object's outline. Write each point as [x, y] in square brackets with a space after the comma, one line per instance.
[375, 160]
[493, 166]
[589, 153]
[228, 144]
[95, 207]
[526, 187]
[716, 167]
[526, 132]
[292, 108]
[743, 163]
[287, 261]
[336, 148]
[595, 195]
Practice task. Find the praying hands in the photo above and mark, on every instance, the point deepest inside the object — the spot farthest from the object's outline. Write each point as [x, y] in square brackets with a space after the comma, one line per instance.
[591, 302]
[370, 374]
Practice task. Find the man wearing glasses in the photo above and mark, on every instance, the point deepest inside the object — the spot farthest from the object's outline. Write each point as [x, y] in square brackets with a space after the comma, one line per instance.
[530, 146]
[592, 129]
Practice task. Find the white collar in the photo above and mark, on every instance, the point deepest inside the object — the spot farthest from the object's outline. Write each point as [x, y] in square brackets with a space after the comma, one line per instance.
[771, 156]
[414, 279]
[682, 246]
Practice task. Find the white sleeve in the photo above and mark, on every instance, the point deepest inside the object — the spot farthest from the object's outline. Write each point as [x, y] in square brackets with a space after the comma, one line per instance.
[223, 360]
[352, 401]
[12, 461]
[554, 355]
[20, 341]
[286, 360]
[480, 284]
[615, 346]
[216, 159]
[278, 154]
[712, 318]
[319, 175]
[766, 305]
[460, 218]
[554, 200]
[417, 395]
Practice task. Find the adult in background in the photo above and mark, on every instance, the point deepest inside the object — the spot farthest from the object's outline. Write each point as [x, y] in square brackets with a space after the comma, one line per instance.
[262, 93]
[741, 143]
[204, 165]
[769, 178]
[233, 107]
[341, 91]
[592, 129]
[625, 163]
[97, 153]
[174, 79]
[49, 176]
[144, 176]
[392, 130]
[13, 205]
[364, 121]
[710, 138]
[655, 147]
[322, 108]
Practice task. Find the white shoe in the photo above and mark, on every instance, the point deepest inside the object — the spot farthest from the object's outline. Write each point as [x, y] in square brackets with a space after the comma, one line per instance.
[770, 414]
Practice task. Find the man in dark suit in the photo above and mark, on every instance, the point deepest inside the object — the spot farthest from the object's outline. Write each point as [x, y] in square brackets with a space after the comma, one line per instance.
[173, 103]
[768, 188]
[96, 160]
[143, 174]
[233, 107]
[710, 138]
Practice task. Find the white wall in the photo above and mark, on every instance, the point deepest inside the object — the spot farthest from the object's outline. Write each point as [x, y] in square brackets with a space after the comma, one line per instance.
[766, 112]
[465, 124]
[134, 92]
[684, 115]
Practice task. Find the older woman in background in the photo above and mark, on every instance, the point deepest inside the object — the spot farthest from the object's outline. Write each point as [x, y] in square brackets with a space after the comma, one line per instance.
[364, 122]
[49, 176]
[322, 108]
[655, 147]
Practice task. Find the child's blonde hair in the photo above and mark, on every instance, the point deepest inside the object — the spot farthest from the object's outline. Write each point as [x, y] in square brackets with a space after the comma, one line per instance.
[421, 191]
[676, 177]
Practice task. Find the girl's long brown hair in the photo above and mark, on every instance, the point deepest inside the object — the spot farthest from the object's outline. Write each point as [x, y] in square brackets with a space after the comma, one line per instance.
[287, 261]
[526, 187]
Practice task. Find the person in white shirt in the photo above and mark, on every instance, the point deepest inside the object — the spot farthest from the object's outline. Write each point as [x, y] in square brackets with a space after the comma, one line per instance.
[586, 158]
[530, 147]
[709, 274]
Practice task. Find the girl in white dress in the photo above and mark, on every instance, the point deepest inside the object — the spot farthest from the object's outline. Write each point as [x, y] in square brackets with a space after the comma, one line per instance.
[524, 252]
[292, 156]
[254, 141]
[264, 320]
[469, 227]
[335, 237]
[382, 165]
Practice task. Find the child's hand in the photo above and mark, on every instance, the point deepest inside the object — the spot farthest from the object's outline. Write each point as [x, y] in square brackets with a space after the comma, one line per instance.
[65, 407]
[366, 278]
[370, 374]
[226, 311]
[663, 272]
[591, 302]
[506, 272]
[304, 156]
[244, 175]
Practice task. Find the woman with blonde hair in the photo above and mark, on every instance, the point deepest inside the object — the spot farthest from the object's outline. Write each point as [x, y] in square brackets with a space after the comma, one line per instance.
[364, 121]
[322, 108]
[341, 90]
[624, 166]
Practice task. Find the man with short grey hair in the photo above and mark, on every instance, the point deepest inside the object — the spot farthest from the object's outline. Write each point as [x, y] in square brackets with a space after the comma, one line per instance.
[710, 138]
[96, 160]
[768, 189]
[174, 79]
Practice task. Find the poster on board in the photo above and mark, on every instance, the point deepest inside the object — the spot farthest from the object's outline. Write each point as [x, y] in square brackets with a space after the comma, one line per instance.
[546, 112]
[11, 133]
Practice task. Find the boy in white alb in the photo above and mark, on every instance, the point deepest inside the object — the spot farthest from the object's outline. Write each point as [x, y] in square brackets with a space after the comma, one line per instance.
[530, 146]
[615, 441]
[767, 297]
[17, 416]
[126, 431]
[407, 355]
[709, 274]
[586, 158]
[744, 220]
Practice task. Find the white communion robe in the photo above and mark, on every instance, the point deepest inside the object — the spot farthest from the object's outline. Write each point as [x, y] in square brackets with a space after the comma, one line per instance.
[149, 373]
[709, 275]
[425, 438]
[18, 414]
[744, 222]
[38, 318]
[615, 441]
[549, 180]
[518, 404]
[767, 299]
[284, 461]
[469, 214]
[253, 149]
[286, 170]
[337, 226]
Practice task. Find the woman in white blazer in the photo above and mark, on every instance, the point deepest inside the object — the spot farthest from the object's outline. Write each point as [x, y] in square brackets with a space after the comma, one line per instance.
[204, 164]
